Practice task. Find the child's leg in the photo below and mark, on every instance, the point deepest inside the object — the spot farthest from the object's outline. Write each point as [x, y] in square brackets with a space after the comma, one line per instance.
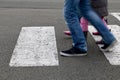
[84, 26]
[105, 22]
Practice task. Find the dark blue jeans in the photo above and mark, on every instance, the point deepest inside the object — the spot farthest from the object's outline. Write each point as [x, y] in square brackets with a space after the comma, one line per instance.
[71, 9]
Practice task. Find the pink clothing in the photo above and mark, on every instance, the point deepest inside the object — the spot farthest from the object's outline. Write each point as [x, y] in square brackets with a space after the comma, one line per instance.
[84, 23]
[104, 22]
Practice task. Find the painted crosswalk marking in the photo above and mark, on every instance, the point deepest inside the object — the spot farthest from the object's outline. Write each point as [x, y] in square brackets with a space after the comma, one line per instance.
[36, 46]
[116, 15]
[114, 56]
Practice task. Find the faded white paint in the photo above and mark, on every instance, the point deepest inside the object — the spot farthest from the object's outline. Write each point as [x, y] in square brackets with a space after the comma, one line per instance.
[114, 56]
[116, 15]
[36, 46]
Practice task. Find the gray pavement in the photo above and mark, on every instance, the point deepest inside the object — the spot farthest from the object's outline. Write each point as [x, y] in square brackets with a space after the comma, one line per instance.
[36, 4]
[14, 14]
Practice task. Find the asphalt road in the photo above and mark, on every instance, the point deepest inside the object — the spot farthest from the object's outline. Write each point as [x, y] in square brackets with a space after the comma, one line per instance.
[14, 14]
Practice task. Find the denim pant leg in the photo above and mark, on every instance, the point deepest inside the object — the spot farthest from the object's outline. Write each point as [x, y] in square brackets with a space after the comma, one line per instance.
[95, 20]
[72, 21]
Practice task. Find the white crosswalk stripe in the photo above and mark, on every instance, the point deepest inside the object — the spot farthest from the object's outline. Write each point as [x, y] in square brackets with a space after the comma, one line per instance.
[36, 46]
[116, 15]
[114, 56]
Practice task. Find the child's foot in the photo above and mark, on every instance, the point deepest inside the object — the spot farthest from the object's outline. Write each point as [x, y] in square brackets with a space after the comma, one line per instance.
[99, 42]
[67, 33]
[95, 33]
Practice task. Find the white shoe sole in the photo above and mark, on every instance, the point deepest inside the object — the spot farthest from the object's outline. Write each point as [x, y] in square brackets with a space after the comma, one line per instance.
[63, 54]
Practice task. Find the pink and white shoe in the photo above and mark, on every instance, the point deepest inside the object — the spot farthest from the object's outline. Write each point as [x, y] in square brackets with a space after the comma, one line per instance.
[99, 42]
[95, 33]
[67, 33]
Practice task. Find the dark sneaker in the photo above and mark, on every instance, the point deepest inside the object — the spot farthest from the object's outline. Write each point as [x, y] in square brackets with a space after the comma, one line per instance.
[107, 47]
[73, 52]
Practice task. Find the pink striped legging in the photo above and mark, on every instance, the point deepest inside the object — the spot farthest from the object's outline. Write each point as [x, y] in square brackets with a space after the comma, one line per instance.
[84, 23]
